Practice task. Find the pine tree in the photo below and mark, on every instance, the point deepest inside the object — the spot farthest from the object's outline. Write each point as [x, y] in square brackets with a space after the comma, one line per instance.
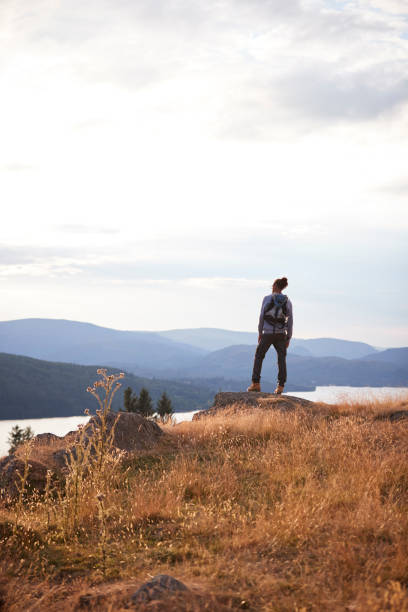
[127, 399]
[145, 404]
[17, 436]
[164, 407]
[130, 400]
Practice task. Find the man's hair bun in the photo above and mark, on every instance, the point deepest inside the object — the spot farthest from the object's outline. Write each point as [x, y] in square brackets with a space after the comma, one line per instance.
[281, 283]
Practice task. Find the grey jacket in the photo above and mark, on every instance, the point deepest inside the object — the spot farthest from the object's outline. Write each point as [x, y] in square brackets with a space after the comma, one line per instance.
[268, 328]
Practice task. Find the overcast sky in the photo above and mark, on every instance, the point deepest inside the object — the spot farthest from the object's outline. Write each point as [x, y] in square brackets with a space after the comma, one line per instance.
[162, 161]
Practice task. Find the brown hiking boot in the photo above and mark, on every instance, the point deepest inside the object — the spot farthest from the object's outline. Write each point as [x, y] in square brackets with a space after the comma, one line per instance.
[279, 390]
[254, 387]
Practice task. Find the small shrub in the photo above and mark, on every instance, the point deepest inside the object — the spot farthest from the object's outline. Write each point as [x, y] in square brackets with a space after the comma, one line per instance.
[18, 436]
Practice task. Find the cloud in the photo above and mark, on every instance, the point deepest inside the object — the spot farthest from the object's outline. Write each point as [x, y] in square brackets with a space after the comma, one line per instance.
[16, 167]
[327, 92]
[246, 69]
[76, 228]
[398, 7]
[50, 270]
[397, 188]
[11, 256]
[300, 252]
[35, 261]
[210, 283]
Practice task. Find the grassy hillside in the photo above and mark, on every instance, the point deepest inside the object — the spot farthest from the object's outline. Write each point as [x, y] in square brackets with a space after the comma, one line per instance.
[32, 388]
[272, 511]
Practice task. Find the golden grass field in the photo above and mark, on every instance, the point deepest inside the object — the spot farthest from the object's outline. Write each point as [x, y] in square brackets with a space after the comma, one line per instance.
[261, 511]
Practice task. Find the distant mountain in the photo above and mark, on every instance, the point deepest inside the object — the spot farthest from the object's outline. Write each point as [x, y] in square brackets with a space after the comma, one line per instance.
[186, 354]
[210, 338]
[333, 347]
[235, 362]
[398, 356]
[213, 339]
[348, 372]
[298, 349]
[84, 343]
[32, 388]
[146, 353]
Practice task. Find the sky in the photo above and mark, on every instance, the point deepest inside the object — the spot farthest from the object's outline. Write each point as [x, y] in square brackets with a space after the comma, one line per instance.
[161, 163]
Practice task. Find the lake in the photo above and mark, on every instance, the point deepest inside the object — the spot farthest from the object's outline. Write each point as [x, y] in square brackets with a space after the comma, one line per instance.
[331, 394]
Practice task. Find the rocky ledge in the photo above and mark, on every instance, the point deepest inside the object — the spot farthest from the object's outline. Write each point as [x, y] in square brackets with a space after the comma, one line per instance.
[231, 402]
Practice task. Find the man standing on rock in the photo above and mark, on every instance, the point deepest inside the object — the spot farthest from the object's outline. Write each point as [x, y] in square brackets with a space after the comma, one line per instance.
[275, 327]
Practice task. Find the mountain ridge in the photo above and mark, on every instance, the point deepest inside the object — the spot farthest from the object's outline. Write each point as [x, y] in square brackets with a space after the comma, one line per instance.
[18, 335]
[236, 361]
[212, 338]
[80, 342]
[148, 354]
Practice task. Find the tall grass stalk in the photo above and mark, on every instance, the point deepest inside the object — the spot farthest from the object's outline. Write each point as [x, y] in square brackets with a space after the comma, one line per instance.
[101, 436]
[77, 461]
[103, 531]
[21, 484]
[92, 462]
[48, 497]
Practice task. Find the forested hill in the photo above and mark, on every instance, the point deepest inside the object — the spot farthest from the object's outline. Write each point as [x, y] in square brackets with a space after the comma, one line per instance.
[32, 388]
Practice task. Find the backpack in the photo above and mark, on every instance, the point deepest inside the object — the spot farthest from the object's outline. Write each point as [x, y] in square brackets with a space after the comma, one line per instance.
[276, 311]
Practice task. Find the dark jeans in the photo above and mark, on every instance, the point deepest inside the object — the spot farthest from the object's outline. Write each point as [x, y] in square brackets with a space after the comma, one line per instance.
[279, 342]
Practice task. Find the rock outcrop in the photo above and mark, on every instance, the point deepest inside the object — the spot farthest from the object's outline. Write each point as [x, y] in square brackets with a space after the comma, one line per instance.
[46, 438]
[10, 469]
[396, 416]
[159, 587]
[132, 433]
[229, 403]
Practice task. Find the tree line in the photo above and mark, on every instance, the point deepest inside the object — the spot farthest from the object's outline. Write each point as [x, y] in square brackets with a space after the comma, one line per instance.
[143, 404]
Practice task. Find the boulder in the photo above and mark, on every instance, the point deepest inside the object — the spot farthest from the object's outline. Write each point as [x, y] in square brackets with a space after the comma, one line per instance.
[159, 587]
[132, 431]
[394, 417]
[59, 459]
[46, 438]
[230, 403]
[11, 466]
[399, 415]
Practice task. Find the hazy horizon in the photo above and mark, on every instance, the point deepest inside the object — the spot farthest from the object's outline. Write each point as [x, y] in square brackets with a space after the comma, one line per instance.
[162, 163]
[168, 329]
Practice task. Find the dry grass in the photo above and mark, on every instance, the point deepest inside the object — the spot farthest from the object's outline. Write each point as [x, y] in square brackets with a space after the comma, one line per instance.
[44, 453]
[262, 511]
